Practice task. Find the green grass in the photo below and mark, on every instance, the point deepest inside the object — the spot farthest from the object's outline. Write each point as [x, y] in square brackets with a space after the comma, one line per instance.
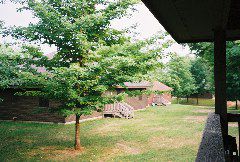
[193, 101]
[170, 133]
[202, 102]
[233, 110]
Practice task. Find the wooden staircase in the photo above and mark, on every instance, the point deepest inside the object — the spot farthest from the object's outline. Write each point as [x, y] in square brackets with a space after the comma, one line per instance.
[119, 109]
[160, 100]
[164, 101]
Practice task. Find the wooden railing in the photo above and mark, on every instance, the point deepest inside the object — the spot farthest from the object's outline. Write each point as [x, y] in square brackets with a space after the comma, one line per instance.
[126, 110]
[119, 109]
[164, 101]
[211, 148]
[235, 118]
[160, 100]
[214, 146]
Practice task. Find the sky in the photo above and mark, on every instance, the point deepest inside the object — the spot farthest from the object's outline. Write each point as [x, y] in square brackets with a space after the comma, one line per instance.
[147, 24]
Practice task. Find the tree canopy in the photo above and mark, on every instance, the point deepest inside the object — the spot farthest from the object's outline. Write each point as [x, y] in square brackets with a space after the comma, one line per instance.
[75, 27]
[179, 77]
[81, 88]
[14, 63]
[206, 51]
[201, 73]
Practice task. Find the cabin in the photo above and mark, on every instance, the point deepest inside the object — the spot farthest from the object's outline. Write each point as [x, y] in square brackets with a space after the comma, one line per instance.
[142, 101]
[27, 108]
[125, 109]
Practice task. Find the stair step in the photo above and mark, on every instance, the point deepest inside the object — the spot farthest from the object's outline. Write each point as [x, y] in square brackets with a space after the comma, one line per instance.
[122, 110]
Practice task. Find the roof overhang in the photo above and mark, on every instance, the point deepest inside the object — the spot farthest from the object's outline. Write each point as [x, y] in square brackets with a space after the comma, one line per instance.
[190, 21]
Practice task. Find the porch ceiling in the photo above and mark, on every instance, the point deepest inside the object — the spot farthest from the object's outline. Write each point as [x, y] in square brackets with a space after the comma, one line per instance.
[195, 20]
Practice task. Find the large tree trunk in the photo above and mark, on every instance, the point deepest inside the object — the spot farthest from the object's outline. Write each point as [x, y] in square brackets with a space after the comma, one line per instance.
[77, 134]
[236, 104]
[197, 99]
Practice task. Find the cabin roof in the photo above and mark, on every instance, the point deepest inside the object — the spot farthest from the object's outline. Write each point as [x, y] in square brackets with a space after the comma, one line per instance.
[155, 86]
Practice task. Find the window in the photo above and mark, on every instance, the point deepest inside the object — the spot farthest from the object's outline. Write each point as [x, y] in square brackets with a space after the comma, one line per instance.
[43, 102]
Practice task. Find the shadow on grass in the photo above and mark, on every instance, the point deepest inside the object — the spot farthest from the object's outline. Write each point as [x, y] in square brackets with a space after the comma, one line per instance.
[33, 141]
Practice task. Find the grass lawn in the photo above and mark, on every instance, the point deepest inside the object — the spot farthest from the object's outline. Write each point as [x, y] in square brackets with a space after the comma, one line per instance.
[203, 102]
[170, 133]
[193, 101]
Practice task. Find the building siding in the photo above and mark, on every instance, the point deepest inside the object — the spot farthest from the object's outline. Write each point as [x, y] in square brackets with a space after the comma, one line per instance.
[138, 102]
[24, 108]
[27, 108]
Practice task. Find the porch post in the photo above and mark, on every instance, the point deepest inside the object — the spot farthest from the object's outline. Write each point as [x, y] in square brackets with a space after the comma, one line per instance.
[220, 78]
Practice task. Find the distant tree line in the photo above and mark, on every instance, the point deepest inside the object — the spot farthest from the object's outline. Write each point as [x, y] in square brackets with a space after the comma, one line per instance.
[194, 76]
[187, 76]
[205, 50]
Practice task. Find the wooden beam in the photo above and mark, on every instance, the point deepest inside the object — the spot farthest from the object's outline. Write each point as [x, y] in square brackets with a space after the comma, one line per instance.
[220, 78]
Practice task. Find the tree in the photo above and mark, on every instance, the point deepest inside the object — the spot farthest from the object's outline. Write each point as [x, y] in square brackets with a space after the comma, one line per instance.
[206, 51]
[92, 58]
[82, 89]
[75, 27]
[179, 77]
[201, 73]
[233, 75]
[13, 63]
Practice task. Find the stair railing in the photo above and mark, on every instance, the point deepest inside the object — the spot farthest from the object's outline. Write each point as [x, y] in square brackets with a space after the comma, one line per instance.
[119, 108]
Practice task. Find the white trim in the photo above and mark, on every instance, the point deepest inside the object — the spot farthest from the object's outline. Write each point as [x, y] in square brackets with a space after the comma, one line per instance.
[83, 120]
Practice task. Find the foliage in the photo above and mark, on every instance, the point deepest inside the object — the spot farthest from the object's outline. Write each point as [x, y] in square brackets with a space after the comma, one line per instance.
[201, 72]
[233, 71]
[179, 77]
[75, 27]
[82, 89]
[91, 57]
[14, 63]
[206, 50]
[203, 49]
